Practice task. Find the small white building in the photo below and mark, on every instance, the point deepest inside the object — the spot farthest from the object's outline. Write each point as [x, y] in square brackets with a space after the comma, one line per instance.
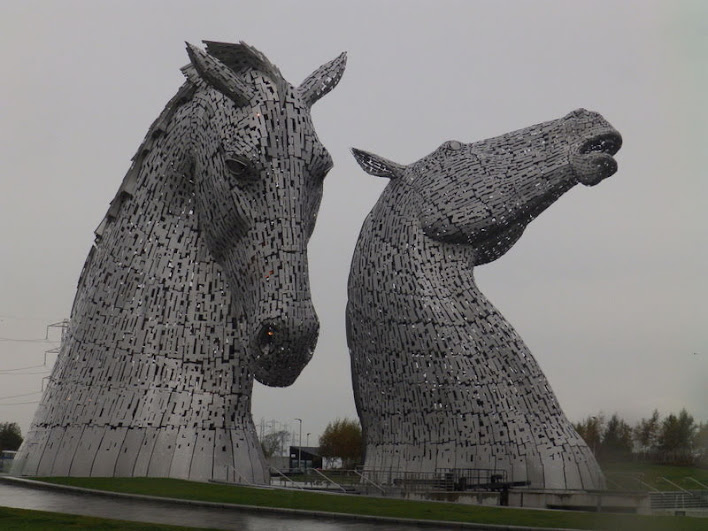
[6, 457]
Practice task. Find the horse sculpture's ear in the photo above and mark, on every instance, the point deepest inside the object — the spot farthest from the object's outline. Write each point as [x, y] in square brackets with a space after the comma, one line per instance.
[220, 76]
[378, 166]
[322, 80]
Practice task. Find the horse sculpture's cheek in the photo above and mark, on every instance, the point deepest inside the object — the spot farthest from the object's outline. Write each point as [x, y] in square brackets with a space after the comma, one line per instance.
[436, 224]
[225, 212]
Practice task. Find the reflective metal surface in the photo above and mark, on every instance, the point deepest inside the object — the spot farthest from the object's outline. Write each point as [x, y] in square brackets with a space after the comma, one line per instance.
[198, 283]
[170, 513]
[441, 379]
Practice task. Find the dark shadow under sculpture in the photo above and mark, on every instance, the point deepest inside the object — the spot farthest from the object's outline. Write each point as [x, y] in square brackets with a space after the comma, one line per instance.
[441, 379]
[197, 283]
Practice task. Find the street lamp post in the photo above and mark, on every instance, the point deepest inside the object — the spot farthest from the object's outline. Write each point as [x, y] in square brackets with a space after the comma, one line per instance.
[299, 448]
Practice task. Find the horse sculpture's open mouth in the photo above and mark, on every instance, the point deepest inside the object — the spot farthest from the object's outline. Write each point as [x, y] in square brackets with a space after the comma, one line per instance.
[594, 161]
[609, 143]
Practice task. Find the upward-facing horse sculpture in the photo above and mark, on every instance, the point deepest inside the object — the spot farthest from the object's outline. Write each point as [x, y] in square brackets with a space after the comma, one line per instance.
[198, 282]
[441, 379]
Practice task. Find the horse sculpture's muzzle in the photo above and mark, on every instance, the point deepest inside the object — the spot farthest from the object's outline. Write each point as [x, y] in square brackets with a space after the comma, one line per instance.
[592, 158]
[283, 346]
[594, 161]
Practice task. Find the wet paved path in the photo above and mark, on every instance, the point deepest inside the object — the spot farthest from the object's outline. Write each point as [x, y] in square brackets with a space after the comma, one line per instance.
[25, 497]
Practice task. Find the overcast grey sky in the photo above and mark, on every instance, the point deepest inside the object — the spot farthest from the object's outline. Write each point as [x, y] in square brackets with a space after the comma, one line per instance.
[607, 287]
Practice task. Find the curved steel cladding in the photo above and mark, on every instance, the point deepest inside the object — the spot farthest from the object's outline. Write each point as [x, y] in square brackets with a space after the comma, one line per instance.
[441, 379]
[155, 374]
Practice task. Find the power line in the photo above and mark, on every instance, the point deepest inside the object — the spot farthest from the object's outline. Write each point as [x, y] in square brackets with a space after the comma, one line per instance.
[2, 371]
[6, 316]
[18, 340]
[63, 325]
[29, 373]
[19, 396]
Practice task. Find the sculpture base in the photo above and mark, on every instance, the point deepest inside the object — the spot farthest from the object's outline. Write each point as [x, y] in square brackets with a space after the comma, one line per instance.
[196, 454]
[541, 468]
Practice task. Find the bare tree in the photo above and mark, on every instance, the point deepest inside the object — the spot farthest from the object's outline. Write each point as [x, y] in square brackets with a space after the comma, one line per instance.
[274, 443]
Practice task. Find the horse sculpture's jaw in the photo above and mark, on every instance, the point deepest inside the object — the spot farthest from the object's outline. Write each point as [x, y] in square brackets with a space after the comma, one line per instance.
[280, 366]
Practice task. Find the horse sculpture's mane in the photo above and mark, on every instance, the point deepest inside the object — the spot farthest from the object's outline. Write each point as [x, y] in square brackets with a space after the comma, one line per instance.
[240, 58]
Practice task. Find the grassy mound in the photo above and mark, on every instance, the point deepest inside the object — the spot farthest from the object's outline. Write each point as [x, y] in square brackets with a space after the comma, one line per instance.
[387, 507]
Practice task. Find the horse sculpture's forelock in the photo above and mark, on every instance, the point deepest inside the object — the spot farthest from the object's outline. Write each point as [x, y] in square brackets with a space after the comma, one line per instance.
[239, 57]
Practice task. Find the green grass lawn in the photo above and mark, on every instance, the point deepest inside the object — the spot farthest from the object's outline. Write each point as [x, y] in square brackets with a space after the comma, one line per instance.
[24, 520]
[382, 506]
[626, 476]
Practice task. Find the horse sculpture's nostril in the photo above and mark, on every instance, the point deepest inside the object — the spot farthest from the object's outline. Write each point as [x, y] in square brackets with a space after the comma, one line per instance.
[267, 336]
[282, 346]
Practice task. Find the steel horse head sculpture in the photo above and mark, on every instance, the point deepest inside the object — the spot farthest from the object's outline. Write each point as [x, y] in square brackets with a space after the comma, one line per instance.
[197, 283]
[441, 379]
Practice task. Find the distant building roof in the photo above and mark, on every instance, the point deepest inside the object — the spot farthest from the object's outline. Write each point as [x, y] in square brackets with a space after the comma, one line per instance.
[313, 450]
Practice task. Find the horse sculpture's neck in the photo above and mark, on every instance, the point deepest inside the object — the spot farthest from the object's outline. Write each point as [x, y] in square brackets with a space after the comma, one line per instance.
[154, 267]
[470, 387]
[152, 362]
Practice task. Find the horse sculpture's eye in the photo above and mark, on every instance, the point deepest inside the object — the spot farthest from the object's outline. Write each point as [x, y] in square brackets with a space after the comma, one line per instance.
[241, 169]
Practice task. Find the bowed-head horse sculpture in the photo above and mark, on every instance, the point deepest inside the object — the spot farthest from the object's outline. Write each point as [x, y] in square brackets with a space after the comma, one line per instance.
[197, 283]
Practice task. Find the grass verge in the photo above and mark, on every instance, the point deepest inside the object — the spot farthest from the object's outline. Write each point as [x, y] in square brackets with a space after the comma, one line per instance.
[388, 507]
[25, 520]
[641, 476]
